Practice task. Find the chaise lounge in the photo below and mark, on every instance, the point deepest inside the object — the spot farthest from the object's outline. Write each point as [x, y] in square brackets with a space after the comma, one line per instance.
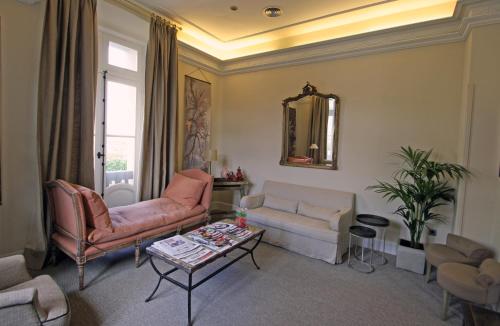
[85, 229]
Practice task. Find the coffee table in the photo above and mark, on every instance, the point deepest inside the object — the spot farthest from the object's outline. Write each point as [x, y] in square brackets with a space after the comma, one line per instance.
[177, 264]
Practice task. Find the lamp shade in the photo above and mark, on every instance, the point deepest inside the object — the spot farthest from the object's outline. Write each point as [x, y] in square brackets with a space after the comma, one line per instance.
[213, 155]
[313, 146]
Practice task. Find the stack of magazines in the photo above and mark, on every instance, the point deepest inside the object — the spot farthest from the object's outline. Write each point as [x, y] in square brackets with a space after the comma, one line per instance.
[183, 249]
[199, 245]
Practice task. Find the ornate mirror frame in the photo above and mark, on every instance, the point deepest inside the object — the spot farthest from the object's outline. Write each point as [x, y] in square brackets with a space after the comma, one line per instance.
[310, 90]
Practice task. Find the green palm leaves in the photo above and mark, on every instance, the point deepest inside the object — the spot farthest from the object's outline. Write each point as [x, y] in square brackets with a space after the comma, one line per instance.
[422, 185]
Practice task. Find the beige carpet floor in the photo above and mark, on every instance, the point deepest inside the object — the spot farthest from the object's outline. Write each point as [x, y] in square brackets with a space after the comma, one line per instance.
[289, 289]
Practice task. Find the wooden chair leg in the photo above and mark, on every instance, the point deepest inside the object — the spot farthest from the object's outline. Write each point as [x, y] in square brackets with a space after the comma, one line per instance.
[81, 274]
[137, 253]
[428, 270]
[446, 302]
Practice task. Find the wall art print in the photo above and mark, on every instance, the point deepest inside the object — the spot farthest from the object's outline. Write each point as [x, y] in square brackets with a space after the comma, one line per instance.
[196, 123]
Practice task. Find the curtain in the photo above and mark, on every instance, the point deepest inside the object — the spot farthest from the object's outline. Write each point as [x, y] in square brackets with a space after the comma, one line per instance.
[160, 109]
[66, 95]
[318, 129]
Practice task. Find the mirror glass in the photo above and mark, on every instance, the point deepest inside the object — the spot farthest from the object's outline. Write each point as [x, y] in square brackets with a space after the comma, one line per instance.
[310, 129]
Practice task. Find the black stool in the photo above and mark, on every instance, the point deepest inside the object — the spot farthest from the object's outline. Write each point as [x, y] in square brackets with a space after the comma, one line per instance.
[361, 232]
[377, 222]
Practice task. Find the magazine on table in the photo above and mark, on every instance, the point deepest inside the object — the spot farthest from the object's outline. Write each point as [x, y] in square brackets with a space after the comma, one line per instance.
[231, 229]
[184, 249]
[212, 238]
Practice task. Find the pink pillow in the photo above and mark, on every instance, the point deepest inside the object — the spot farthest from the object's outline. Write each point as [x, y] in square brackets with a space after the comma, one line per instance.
[96, 211]
[186, 191]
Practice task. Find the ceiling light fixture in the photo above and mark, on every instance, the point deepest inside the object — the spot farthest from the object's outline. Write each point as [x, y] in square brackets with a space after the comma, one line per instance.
[272, 12]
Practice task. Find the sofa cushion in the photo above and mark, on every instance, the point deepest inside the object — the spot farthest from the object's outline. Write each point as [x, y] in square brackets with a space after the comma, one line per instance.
[184, 190]
[51, 300]
[280, 204]
[146, 215]
[323, 213]
[298, 224]
[96, 211]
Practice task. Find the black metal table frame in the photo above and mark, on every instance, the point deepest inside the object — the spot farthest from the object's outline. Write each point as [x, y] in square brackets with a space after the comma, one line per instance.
[190, 286]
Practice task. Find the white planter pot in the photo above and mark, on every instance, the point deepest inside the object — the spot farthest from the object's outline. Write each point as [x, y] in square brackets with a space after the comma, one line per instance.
[410, 259]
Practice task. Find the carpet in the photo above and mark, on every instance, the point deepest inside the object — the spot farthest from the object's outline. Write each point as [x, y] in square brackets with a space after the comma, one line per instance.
[289, 289]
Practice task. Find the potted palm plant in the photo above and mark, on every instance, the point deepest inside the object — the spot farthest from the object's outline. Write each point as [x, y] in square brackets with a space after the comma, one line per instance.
[421, 185]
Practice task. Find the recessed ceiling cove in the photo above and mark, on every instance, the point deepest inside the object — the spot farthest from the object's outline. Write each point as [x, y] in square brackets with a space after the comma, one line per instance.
[212, 27]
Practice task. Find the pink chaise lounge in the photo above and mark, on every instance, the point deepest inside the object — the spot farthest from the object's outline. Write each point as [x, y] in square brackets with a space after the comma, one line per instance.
[85, 229]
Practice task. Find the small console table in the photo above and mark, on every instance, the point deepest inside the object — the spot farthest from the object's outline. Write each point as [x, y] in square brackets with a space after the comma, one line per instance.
[223, 185]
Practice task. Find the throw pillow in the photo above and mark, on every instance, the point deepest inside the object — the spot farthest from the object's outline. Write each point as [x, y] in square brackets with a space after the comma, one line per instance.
[322, 213]
[96, 211]
[184, 190]
[280, 204]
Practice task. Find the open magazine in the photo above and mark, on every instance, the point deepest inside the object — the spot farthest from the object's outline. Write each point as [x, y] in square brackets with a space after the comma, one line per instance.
[183, 249]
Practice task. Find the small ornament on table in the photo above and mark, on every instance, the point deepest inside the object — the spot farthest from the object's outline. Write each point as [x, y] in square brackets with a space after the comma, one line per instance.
[241, 218]
[239, 175]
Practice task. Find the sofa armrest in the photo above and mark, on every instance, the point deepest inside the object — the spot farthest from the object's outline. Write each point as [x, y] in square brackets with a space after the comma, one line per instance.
[19, 307]
[341, 220]
[252, 201]
[13, 271]
[471, 249]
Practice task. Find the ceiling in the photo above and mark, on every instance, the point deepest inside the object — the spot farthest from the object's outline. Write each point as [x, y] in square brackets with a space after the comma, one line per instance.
[212, 27]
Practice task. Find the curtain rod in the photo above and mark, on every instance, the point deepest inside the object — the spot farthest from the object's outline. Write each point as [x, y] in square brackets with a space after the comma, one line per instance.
[142, 11]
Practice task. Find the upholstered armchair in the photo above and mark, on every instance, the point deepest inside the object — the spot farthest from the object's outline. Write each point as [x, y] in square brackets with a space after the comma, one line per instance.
[29, 301]
[478, 285]
[456, 250]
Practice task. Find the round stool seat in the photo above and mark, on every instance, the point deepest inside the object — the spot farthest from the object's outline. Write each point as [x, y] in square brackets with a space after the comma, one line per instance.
[373, 220]
[362, 231]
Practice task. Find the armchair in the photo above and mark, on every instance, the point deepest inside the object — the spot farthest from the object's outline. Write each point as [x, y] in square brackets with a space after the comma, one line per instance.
[456, 250]
[29, 301]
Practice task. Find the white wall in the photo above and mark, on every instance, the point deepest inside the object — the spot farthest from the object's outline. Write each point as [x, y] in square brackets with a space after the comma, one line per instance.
[388, 100]
[481, 213]
[21, 30]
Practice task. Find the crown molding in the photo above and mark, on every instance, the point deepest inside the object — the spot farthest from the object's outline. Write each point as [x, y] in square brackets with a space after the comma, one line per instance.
[469, 14]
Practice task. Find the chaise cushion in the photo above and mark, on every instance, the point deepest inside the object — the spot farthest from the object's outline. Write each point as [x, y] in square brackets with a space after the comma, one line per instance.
[184, 190]
[143, 216]
[305, 226]
[323, 213]
[51, 300]
[96, 211]
[280, 204]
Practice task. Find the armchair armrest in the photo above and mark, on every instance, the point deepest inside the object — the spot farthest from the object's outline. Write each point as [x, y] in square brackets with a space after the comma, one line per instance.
[13, 271]
[252, 201]
[341, 220]
[20, 307]
[471, 249]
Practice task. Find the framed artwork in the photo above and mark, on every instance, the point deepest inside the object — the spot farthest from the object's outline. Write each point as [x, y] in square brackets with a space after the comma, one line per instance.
[197, 95]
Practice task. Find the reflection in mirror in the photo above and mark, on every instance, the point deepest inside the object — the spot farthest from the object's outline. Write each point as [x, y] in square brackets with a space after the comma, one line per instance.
[310, 129]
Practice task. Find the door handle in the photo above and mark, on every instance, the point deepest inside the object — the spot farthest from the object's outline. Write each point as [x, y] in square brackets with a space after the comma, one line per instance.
[99, 155]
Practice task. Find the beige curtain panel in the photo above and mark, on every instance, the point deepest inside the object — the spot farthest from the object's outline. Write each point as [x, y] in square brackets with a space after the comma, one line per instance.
[66, 95]
[318, 129]
[160, 109]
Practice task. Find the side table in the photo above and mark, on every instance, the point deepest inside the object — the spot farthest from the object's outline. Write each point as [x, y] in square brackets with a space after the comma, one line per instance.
[378, 222]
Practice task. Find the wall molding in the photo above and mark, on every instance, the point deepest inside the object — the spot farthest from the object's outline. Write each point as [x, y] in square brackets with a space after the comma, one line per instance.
[469, 14]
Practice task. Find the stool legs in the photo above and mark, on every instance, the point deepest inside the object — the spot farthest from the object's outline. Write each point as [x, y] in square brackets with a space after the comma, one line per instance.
[446, 301]
[349, 252]
[362, 260]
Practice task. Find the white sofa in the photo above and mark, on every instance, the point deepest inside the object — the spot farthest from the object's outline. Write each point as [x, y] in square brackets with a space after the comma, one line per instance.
[310, 221]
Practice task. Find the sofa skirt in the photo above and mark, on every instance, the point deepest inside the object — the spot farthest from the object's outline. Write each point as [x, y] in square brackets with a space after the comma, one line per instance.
[330, 252]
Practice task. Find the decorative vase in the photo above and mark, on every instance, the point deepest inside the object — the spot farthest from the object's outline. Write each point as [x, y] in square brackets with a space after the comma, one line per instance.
[409, 258]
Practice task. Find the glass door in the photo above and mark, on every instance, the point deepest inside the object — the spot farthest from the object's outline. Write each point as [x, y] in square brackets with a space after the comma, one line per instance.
[118, 121]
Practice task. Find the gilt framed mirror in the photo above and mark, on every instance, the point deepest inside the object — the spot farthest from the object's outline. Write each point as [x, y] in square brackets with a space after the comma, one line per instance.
[310, 129]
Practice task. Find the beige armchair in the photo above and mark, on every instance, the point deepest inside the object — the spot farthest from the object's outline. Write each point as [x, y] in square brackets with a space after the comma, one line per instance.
[29, 301]
[479, 285]
[456, 250]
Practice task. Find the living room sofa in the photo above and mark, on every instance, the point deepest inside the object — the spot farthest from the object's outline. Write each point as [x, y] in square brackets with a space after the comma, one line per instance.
[310, 221]
[85, 229]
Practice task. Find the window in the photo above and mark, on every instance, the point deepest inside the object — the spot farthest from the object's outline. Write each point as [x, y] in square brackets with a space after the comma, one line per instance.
[119, 110]
[122, 56]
